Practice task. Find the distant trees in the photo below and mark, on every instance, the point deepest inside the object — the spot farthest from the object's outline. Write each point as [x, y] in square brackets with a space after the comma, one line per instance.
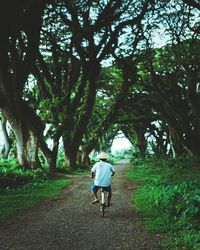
[168, 85]
[167, 99]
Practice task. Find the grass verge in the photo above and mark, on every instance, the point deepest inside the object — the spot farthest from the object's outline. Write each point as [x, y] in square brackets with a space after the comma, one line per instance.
[168, 199]
[13, 200]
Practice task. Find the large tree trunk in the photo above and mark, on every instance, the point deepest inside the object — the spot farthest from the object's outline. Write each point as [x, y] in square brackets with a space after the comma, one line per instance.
[85, 159]
[71, 153]
[27, 147]
[73, 139]
[54, 156]
[72, 156]
[27, 133]
[176, 144]
[48, 154]
[7, 141]
[141, 144]
[86, 150]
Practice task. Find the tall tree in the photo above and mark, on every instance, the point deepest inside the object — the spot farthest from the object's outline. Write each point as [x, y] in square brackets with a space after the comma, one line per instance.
[92, 32]
[20, 34]
[172, 76]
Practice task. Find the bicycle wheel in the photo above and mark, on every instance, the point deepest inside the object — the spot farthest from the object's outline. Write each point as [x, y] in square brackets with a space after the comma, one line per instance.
[102, 204]
[102, 210]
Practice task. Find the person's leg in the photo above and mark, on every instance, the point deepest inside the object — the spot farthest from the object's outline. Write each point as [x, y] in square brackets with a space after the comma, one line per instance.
[95, 195]
[109, 197]
[95, 190]
[109, 190]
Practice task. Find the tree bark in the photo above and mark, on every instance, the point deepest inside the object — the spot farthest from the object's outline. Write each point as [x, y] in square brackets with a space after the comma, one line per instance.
[7, 141]
[27, 129]
[72, 155]
[27, 146]
[50, 157]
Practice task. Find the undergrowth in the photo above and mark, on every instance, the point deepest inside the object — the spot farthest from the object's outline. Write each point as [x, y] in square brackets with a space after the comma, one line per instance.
[168, 198]
[13, 175]
[19, 187]
[13, 200]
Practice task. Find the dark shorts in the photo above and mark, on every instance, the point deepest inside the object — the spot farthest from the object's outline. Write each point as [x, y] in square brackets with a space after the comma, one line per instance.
[94, 188]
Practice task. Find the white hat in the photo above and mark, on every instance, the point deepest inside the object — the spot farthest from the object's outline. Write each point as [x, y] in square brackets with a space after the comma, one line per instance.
[103, 156]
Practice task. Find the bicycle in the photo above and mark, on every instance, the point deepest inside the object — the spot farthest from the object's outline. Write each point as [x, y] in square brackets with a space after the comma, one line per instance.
[103, 198]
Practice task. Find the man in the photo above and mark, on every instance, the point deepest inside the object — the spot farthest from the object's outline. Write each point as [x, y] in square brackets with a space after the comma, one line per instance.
[102, 172]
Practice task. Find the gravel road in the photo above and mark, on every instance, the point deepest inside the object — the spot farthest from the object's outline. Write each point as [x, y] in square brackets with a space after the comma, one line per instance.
[72, 222]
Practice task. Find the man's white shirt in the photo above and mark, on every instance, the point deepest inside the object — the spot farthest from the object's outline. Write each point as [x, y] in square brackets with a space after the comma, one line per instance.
[103, 172]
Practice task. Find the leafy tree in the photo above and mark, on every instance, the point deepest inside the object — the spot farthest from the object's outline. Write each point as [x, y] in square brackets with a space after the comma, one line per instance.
[109, 89]
[192, 3]
[171, 78]
[86, 33]
[20, 33]
[135, 118]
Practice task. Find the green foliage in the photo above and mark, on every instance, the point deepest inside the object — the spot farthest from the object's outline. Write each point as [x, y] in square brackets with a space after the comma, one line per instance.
[169, 199]
[93, 160]
[122, 154]
[12, 174]
[61, 162]
[13, 200]
[186, 239]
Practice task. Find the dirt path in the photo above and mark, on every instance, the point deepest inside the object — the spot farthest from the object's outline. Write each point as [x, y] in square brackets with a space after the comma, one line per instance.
[73, 222]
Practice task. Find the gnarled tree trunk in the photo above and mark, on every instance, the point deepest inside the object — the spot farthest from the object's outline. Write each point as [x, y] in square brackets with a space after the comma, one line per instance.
[7, 141]
[27, 133]
[27, 146]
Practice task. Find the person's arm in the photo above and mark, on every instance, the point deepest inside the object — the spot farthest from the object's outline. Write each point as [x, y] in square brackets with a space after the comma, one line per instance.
[93, 171]
[92, 175]
[112, 170]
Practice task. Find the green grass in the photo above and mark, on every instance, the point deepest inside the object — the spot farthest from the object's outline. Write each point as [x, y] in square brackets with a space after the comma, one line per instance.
[168, 199]
[13, 200]
[185, 239]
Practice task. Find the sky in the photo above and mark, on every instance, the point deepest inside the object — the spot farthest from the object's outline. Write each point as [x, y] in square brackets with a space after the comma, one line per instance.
[120, 143]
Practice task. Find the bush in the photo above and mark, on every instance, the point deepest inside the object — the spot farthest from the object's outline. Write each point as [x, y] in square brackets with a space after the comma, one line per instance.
[12, 174]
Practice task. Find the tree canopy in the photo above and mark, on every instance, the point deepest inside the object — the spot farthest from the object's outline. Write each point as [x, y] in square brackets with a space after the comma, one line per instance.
[77, 72]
